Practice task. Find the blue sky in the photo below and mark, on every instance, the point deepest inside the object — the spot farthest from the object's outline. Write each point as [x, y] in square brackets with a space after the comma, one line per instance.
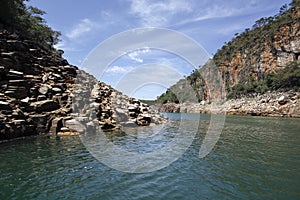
[210, 23]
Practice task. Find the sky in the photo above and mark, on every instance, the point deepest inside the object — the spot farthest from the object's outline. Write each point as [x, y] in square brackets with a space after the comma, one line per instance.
[108, 33]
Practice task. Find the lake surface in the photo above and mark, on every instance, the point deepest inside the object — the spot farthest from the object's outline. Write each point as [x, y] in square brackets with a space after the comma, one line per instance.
[255, 158]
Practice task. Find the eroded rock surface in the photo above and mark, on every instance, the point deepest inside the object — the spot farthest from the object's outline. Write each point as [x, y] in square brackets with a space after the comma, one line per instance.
[41, 93]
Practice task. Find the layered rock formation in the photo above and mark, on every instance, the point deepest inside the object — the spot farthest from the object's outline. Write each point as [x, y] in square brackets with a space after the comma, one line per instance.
[98, 105]
[41, 93]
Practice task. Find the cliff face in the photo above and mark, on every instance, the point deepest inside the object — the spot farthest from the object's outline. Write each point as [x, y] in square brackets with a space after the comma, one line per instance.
[35, 86]
[263, 58]
[258, 67]
[41, 93]
[265, 49]
[247, 60]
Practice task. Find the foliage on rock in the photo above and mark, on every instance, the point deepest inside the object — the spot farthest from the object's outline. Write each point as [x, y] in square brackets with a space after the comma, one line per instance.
[285, 79]
[27, 22]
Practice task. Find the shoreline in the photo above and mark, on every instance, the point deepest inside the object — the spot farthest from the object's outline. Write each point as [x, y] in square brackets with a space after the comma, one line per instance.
[276, 104]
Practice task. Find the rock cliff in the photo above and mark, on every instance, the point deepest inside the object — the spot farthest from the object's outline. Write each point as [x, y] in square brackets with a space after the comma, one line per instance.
[271, 51]
[255, 63]
[41, 93]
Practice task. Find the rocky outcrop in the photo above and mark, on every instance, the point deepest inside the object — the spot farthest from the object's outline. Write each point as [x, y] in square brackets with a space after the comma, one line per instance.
[280, 104]
[98, 105]
[250, 57]
[41, 93]
[256, 53]
[262, 58]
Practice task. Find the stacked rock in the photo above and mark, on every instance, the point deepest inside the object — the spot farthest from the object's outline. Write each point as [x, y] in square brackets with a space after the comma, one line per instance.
[41, 93]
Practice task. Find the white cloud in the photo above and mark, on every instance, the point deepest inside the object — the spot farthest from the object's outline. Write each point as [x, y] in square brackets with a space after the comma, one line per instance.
[135, 55]
[157, 74]
[118, 69]
[217, 12]
[211, 13]
[84, 26]
[158, 13]
[172, 12]
[221, 9]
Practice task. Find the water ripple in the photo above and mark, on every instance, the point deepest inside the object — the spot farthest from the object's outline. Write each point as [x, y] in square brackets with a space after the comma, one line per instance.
[255, 158]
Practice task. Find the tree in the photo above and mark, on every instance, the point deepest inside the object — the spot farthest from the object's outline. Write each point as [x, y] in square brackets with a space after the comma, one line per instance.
[27, 22]
[295, 3]
[283, 9]
[10, 10]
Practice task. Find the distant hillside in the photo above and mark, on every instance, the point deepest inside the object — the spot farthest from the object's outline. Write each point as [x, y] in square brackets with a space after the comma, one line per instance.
[263, 58]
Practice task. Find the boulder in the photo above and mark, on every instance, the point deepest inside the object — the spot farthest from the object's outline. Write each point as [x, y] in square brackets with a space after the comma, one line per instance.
[56, 125]
[143, 120]
[20, 82]
[67, 133]
[41, 97]
[282, 100]
[25, 100]
[44, 89]
[56, 90]
[45, 106]
[5, 106]
[17, 92]
[75, 126]
[12, 74]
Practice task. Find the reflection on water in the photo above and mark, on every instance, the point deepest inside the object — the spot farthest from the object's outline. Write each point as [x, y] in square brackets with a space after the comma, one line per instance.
[256, 158]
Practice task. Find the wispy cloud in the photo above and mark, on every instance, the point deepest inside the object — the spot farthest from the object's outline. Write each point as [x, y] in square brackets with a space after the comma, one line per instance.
[135, 55]
[118, 69]
[219, 9]
[83, 27]
[217, 12]
[210, 13]
[158, 13]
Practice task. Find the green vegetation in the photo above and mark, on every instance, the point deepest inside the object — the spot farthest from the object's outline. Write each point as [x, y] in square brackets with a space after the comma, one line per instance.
[148, 102]
[262, 32]
[189, 89]
[285, 79]
[166, 97]
[27, 22]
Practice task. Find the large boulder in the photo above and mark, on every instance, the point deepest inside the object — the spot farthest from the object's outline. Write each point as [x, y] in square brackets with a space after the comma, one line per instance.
[282, 100]
[45, 106]
[143, 120]
[5, 105]
[75, 126]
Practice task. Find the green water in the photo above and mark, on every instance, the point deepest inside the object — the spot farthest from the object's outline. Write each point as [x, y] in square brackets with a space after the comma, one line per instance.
[255, 158]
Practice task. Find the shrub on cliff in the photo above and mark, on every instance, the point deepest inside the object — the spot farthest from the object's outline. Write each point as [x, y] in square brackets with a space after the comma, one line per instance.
[27, 22]
[288, 78]
[285, 79]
